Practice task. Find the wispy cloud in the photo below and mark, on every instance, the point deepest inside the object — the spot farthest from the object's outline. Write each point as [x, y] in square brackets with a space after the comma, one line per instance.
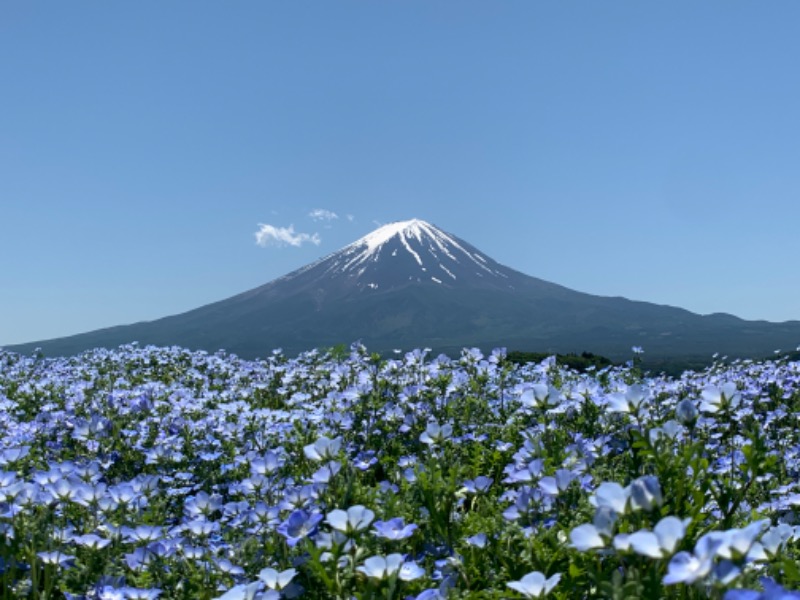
[351, 218]
[320, 214]
[281, 236]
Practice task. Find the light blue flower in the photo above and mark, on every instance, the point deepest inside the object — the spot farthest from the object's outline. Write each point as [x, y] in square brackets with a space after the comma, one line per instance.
[91, 540]
[736, 543]
[381, 567]
[356, 518]
[604, 520]
[659, 543]
[394, 529]
[629, 401]
[645, 493]
[772, 591]
[612, 495]
[535, 584]
[715, 399]
[771, 542]
[266, 464]
[539, 395]
[478, 485]
[478, 540]
[686, 412]
[299, 525]
[671, 430]
[323, 449]
[244, 591]
[142, 533]
[552, 485]
[687, 567]
[435, 434]
[410, 570]
[57, 558]
[131, 593]
[275, 580]
[226, 566]
[10, 455]
[586, 537]
[326, 473]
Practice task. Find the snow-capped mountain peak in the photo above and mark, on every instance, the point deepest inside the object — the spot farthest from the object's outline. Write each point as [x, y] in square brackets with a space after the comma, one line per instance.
[415, 251]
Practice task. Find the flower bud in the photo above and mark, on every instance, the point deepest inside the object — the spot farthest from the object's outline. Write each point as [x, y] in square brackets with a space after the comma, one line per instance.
[686, 412]
[646, 493]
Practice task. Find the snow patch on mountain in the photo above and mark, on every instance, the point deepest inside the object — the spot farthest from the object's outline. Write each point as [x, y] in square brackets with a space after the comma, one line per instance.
[402, 252]
[419, 239]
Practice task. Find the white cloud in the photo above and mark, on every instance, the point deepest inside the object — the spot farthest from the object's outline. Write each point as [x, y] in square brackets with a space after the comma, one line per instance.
[351, 218]
[281, 236]
[320, 214]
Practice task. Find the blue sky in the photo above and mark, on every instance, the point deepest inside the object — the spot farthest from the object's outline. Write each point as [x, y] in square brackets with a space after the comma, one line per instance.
[647, 150]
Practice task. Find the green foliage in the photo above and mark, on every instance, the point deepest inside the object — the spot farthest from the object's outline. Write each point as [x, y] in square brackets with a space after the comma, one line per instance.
[579, 362]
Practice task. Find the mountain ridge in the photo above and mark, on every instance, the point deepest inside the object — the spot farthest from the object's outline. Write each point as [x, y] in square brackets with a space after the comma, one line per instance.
[410, 284]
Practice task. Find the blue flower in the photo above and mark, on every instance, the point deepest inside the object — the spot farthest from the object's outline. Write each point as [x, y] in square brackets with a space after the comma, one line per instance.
[299, 525]
[687, 567]
[715, 399]
[478, 540]
[659, 543]
[365, 460]
[275, 580]
[245, 591]
[478, 485]
[586, 537]
[410, 570]
[645, 493]
[266, 464]
[356, 518]
[139, 559]
[539, 395]
[56, 558]
[131, 593]
[142, 533]
[612, 495]
[10, 455]
[381, 567]
[630, 401]
[323, 449]
[393, 529]
[226, 566]
[686, 412]
[435, 434]
[326, 473]
[91, 540]
[535, 584]
[552, 485]
[772, 591]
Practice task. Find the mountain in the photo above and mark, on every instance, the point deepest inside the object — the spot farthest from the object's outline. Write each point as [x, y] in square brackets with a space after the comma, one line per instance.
[409, 284]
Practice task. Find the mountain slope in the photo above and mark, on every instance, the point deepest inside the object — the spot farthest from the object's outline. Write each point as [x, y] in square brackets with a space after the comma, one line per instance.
[410, 284]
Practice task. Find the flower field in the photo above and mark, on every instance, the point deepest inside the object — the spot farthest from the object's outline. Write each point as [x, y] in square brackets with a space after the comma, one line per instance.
[164, 473]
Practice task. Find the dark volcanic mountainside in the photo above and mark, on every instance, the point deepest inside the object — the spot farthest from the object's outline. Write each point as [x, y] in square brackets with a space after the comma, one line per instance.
[409, 284]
